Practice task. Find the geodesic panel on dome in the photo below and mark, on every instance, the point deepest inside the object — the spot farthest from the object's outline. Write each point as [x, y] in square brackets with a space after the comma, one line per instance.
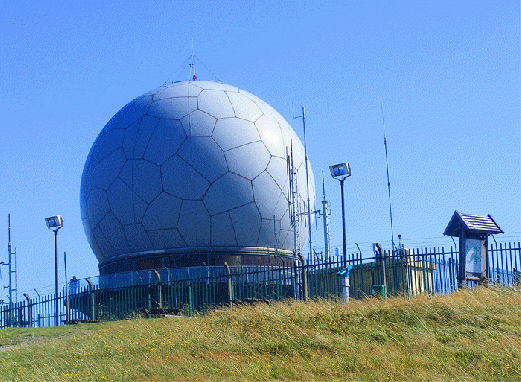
[205, 156]
[222, 230]
[281, 206]
[180, 107]
[132, 112]
[166, 238]
[181, 180]
[118, 196]
[271, 136]
[266, 194]
[107, 143]
[231, 133]
[113, 231]
[146, 179]
[97, 206]
[107, 170]
[165, 140]
[267, 234]
[177, 89]
[215, 103]
[248, 160]
[137, 238]
[246, 224]
[199, 124]
[278, 170]
[102, 245]
[244, 107]
[195, 229]
[155, 216]
[228, 192]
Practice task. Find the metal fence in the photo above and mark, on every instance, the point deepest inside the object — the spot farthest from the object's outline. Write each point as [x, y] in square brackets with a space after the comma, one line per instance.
[181, 291]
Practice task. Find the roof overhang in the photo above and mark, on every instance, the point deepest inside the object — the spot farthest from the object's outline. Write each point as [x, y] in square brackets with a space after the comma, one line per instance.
[471, 225]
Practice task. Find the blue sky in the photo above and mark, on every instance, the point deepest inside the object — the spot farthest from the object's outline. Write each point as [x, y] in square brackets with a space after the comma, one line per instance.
[448, 75]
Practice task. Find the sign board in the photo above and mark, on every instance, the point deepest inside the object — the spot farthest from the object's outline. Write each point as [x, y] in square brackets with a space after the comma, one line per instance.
[474, 262]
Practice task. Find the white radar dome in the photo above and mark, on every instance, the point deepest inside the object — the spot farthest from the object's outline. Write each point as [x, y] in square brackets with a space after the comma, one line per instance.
[193, 173]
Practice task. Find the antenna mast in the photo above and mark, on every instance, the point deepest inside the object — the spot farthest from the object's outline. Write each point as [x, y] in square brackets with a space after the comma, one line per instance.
[388, 181]
[11, 267]
[191, 77]
[295, 210]
[325, 214]
[303, 116]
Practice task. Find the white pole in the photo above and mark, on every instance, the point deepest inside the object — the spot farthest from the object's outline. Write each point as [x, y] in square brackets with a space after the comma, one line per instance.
[307, 180]
[346, 288]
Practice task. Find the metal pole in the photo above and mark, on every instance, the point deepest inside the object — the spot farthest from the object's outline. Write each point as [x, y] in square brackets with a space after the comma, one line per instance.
[10, 262]
[67, 306]
[344, 249]
[275, 235]
[345, 289]
[56, 319]
[294, 215]
[325, 214]
[307, 180]
[92, 301]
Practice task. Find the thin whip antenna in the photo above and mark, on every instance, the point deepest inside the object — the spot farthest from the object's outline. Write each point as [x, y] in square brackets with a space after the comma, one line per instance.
[191, 77]
[388, 181]
[303, 116]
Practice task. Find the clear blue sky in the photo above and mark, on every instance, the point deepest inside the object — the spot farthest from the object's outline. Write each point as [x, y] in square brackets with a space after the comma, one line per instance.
[448, 74]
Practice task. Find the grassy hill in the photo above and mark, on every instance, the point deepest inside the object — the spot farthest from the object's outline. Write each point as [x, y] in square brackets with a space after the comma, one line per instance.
[467, 336]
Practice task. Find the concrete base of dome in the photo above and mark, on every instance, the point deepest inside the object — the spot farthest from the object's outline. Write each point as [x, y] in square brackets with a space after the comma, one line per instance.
[196, 257]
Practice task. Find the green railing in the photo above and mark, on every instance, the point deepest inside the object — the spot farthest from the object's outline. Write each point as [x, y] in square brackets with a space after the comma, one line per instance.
[174, 291]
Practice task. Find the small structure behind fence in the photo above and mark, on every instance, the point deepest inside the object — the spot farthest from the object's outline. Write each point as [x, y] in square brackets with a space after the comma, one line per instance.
[169, 291]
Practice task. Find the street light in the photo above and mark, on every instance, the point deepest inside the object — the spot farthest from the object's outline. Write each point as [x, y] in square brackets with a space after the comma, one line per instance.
[55, 223]
[340, 172]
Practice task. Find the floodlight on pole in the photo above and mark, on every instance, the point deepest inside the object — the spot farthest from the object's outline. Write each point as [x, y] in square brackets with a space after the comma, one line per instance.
[340, 172]
[54, 223]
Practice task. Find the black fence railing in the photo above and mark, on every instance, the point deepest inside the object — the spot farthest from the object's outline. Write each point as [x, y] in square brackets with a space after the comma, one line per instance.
[171, 291]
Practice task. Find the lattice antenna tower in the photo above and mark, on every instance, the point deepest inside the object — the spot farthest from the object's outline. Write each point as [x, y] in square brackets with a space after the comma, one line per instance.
[11, 264]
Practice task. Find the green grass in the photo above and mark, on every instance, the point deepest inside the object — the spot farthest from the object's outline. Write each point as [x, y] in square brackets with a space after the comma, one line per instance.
[472, 335]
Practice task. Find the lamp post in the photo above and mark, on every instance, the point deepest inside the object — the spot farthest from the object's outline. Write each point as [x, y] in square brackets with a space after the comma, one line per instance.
[54, 223]
[340, 172]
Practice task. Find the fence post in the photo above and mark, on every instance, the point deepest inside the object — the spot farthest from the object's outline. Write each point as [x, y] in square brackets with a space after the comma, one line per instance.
[380, 258]
[92, 301]
[230, 290]
[190, 301]
[304, 277]
[159, 291]
[424, 271]
[29, 310]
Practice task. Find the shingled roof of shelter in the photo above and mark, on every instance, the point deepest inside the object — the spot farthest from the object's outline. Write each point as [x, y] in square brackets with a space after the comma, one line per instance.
[472, 224]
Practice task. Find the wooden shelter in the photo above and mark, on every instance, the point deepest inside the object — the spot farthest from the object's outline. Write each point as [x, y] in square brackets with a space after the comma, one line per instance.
[473, 232]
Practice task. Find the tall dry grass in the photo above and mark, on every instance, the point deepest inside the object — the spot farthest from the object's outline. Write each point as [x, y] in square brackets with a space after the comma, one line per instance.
[469, 335]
